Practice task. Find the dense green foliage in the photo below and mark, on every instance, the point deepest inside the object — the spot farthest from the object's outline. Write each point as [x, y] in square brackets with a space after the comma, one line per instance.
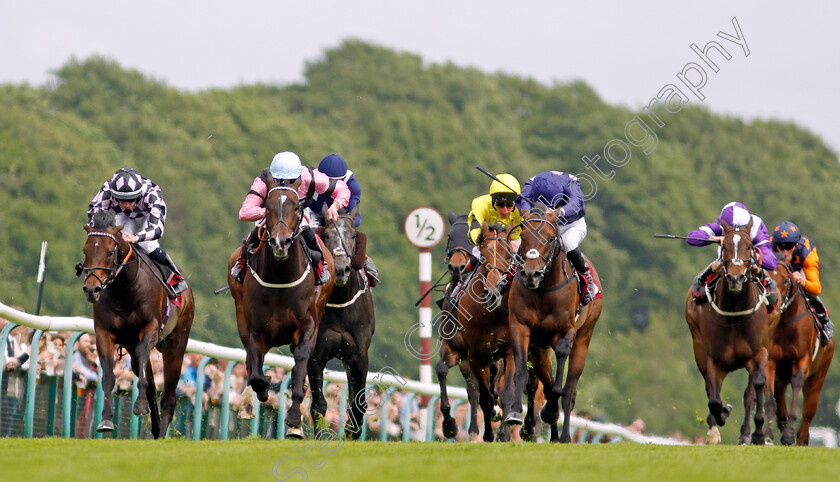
[412, 133]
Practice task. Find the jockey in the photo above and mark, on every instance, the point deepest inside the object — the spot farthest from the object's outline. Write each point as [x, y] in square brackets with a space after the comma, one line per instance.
[286, 169]
[139, 207]
[735, 214]
[561, 192]
[788, 241]
[335, 167]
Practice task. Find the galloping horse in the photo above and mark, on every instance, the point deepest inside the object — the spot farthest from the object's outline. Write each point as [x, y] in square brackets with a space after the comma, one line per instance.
[795, 359]
[729, 333]
[278, 303]
[347, 326]
[543, 303]
[131, 308]
[484, 317]
[453, 348]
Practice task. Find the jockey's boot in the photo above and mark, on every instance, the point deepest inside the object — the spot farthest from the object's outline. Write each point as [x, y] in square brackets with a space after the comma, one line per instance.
[698, 292]
[248, 244]
[371, 272]
[316, 256]
[772, 290]
[826, 327]
[582, 268]
[176, 283]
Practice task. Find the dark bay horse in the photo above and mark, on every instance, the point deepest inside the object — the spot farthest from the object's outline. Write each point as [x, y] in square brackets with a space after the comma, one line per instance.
[453, 348]
[796, 359]
[483, 315]
[543, 305]
[347, 326]
[277, 302]
[130, 308]
[730, 332]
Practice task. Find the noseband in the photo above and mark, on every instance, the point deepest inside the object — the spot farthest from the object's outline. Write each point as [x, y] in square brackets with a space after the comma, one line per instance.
[534, 253]
[115, 268]
[736, 261]
[299, 210]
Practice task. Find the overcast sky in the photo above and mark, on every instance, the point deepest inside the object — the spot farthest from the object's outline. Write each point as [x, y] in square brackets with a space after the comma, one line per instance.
[627, 51]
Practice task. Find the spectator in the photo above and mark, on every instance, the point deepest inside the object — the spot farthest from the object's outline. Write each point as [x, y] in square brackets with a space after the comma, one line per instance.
[85, 362]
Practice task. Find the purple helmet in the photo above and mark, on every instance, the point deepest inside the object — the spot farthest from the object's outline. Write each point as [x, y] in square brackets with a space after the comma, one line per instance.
[735, 214]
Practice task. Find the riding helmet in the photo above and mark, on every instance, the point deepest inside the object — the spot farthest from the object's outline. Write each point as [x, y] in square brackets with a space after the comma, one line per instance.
[504, 187]
[285, 165]
[735, 214]
[786, 232]
[333, 166]
[126, 185]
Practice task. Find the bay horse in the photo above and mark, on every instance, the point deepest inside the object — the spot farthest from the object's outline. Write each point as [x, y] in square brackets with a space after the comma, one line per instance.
[730, 332]
[796, 359]
[348, 323]
[131, 308]
[453, 348]
[277, 302]
[483, 315]
[543, 303]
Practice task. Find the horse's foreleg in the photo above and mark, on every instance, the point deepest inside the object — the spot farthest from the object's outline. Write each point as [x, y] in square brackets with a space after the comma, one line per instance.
[770, 400]
[551, 411]
[717, 412]
[151, 395]
[302, 350]
[447, 361]
[516, 372]
[577, 360]
[318, 410]
[105, 347]
[173, 359]
[255, 351]
[797, 382]
[485, 399]
[528, 430]
[758, 378]
[811, 398]
[749, 402]
[357, 405]
[148, 340]
[542, 370]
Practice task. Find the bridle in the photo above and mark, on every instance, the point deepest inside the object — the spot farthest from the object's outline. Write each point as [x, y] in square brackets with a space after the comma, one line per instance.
[493, 263]
[115, 268]
[458, 249]
[533, 253]
[280, 218]
[750, 262]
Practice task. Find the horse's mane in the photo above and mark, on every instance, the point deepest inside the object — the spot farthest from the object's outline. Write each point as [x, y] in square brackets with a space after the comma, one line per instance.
[103, 219]
[538, 208]
[498, 227]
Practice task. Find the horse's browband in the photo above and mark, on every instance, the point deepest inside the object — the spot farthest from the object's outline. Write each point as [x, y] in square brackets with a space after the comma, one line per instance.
[102, 233]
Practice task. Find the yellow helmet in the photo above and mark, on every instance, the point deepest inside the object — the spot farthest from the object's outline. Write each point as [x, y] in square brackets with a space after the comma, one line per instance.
[509, 184]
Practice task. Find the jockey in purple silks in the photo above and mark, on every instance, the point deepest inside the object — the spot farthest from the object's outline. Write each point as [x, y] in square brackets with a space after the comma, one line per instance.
[561, 192]
[735, 214]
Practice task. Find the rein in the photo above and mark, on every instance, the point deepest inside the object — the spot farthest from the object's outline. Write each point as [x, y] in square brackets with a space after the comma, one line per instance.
[533, 253]
[297, 229]
[762, 298]
[294, 234]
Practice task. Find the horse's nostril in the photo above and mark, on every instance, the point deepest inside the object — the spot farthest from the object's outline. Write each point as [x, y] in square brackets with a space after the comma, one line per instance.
[347, 269]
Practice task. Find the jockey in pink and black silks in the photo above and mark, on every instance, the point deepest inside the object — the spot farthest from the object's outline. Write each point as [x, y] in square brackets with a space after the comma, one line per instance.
[138, 206]
[286, 168]
[735, 214]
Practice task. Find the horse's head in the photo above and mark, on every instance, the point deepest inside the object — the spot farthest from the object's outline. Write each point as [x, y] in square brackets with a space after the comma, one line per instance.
[104, 252]
[283, 215]
[737, 255]
[457, 246]
[540, 244]
[496, 259]
[340, 238]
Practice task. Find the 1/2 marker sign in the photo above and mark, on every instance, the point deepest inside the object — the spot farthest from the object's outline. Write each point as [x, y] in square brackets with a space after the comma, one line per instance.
[424, 227]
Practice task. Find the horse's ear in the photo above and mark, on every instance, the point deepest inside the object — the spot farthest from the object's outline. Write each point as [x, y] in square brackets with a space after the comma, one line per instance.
[324, 210]
[452, 217]
[354, 212]
[726, 226]
[749, 225]
[87, 228]
[320, 231]
[484, 227]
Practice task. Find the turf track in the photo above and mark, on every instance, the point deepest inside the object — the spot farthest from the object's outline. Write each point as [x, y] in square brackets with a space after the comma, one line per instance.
[254, 459]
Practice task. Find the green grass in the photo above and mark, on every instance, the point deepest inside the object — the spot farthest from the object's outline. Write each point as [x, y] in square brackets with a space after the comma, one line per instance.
[253, 459]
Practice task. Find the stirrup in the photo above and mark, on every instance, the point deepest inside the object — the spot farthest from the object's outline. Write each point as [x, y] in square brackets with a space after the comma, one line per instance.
[324, 277]
[236, 272]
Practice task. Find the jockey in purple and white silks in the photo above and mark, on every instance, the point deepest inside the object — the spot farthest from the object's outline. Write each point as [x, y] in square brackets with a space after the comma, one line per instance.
[734, 214]
[561, 192]
[138, 207]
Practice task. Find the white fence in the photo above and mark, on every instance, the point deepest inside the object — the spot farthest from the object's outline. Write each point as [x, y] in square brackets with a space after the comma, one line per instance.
[75, 323]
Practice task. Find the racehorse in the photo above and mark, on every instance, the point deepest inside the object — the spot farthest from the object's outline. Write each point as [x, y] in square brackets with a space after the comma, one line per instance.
[795, 359]
[277, 302]
[543, 305]
[483, 314]
[730, 332]
[453, 348]
[348, 323]
[131, 308]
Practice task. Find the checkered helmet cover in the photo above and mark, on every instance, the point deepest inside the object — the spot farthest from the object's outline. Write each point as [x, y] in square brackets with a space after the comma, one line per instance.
[126, 185]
